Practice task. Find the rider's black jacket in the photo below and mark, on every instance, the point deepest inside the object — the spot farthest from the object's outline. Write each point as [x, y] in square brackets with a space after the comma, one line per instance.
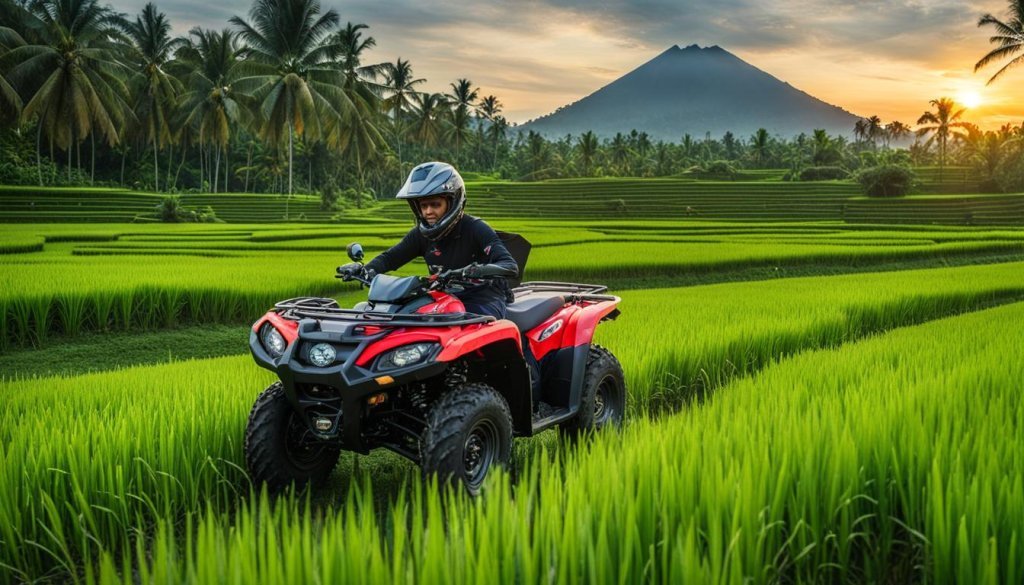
[471, 240]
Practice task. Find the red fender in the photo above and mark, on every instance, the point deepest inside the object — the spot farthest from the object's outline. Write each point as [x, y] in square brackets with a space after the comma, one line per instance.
[556, 339]
[484, 335]
[588, 318]
[288, 329]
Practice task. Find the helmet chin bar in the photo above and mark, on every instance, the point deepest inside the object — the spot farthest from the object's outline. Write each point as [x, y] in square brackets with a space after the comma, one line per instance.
[452, 215]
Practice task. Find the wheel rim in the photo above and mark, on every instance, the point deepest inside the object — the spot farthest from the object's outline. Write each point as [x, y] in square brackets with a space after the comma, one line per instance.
[478, 453]
[605, 401]
[303, 450]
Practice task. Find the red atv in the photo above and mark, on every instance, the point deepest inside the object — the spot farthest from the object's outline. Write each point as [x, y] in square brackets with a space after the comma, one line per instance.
[409, 370]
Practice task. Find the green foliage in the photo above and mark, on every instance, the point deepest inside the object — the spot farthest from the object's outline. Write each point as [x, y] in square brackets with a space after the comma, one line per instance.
[171, 210]
[824, 174]
[825, 425]
[887, 180]
[1009, 177]
[722, 170]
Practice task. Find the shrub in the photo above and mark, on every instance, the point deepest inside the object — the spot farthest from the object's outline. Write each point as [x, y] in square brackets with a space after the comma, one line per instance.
[329, 197]
[886, 180]
[171, 210]
[617, 205]
[1010, 176]
[719, 169]
[824, 174]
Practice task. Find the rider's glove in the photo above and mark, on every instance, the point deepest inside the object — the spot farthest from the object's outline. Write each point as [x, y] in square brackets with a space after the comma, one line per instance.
[472, 271]
[369, 273]
[349, 270]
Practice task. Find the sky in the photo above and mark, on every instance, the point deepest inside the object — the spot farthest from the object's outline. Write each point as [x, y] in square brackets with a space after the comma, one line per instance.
[870, 57]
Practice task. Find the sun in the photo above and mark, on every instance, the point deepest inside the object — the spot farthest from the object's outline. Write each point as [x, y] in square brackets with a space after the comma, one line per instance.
[969, 98]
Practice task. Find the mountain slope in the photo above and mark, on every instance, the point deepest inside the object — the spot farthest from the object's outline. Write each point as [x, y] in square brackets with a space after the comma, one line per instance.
[695, 90]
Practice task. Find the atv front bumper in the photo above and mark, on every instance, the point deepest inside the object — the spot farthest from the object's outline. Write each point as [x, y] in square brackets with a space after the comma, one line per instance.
[335, 401]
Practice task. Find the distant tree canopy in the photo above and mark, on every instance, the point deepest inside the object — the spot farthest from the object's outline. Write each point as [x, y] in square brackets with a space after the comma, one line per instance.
[287, 98]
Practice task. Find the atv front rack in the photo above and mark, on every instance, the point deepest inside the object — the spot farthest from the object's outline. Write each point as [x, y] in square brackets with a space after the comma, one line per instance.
[328, 309]
[574, 291]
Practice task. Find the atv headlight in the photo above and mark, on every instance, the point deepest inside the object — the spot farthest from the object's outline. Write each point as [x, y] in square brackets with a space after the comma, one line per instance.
[322, 354]
[273, 341]
[406, 355]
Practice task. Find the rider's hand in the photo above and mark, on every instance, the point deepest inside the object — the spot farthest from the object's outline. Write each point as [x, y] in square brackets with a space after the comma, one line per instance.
[472, 271]
[349, 270]
[369, 273]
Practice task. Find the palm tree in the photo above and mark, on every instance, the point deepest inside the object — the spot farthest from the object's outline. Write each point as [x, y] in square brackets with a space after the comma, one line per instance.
[290, 69]
[71, 72]
[986, 152]
[620, 152]
[663, 162]
[10, 102]
[539, 154]
[943, 123]
[362, 139]
[824, 149]
[400, 83]
[430, 122]
[895, 130]
[873, 130]
[587, 146]
[212, 105]
[1009, 37]
[488, 108]
[461, 98]
[760, 143]
[860, 131]
[149, 51]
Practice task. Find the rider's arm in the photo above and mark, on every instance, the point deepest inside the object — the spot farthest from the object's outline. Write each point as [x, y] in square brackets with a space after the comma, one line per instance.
[493, 248]
[398, 255]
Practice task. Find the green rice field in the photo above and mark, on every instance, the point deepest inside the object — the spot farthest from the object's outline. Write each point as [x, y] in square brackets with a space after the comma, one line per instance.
[813, 398]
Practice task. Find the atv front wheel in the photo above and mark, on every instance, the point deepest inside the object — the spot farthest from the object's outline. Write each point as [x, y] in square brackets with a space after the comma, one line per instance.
[280, 449]
[469, 431]
[604, 394]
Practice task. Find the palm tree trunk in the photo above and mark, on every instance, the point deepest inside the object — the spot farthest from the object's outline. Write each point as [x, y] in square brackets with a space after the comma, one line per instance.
[184, 151]
[156, 168]
[92, 176]
[39, 150]
[170, 165]
[227, 165]
[124, 156]
[216, 170]
[72, 133]
[291, 131]
[200, 166]
[248, 165]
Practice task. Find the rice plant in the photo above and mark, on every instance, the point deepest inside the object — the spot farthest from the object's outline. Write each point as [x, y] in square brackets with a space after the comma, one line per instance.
[891, 460]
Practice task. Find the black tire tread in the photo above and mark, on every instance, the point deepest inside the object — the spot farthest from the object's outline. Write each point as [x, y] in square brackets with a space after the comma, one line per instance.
[263, 442]
[446, 424]
[599, 359]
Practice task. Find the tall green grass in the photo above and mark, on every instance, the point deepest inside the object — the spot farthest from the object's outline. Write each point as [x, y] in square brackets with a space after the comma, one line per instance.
[133, 447]
[677, 343]
[155, 276]
[892, 460]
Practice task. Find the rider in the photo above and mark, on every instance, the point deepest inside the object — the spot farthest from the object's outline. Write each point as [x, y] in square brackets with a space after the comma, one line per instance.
[447, 238]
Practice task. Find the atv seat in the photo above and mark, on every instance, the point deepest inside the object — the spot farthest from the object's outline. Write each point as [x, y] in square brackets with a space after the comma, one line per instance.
[533, 310]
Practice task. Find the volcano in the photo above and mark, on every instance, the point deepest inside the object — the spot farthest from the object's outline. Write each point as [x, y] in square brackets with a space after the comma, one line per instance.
[695, 90]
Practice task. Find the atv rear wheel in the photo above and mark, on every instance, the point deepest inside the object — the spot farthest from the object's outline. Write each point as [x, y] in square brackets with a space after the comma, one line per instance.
[603, 402]
[280, 449]
[469, 431]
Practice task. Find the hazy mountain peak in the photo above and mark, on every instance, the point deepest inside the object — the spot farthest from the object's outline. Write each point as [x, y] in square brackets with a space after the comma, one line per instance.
[695, 90]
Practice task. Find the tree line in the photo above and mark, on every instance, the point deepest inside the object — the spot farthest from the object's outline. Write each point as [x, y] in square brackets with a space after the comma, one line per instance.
[286, 99]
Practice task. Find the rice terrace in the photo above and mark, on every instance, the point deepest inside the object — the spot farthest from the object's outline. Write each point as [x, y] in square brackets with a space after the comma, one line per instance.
[747, 337]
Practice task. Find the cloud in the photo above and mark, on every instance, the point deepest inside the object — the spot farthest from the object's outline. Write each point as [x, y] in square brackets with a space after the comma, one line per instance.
[539, 54]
